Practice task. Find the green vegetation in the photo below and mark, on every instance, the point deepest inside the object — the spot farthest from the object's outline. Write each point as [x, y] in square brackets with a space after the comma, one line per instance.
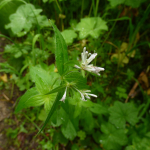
[68, 102]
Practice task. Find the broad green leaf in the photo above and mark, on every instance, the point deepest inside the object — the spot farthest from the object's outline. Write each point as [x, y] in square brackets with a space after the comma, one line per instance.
[61, 53]
[91, 26]
[69, 131]
[87, 120]
[113, 138]
[114, 3]
[56, 120]
[76, 79]
[41, 85]
[48, 101]
[23, 19]
[69, 123]
[121, 113]
[98, 109]
[43, 21]
[69, 36]
[43, 80]
[30, 98]
[132, 3]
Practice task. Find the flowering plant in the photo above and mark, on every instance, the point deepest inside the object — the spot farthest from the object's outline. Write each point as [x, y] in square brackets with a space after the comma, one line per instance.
[53, 88]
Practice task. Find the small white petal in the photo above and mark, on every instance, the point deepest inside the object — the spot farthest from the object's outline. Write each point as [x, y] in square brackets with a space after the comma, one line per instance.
[91, 58]
[99, 69]
[88, 97]
[93, 95]
[64, 96]
[76, 66]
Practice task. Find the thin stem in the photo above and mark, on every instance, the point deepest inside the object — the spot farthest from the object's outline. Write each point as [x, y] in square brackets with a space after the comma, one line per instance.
[96, 10]
[90, 10]
[83, 73]
[93, 4]
[58, 6]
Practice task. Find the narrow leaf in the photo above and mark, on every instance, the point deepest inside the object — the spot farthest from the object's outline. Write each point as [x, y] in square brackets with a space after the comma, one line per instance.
[61, 54]
[55, 105]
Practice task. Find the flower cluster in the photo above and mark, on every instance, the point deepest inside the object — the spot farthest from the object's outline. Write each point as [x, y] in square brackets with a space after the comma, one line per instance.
[82, 93]
[85, 64]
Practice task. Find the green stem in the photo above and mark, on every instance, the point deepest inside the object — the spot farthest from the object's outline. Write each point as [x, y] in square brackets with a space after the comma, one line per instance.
[93, 4]
[83, 73]
[96, 10]
[90, 10]
[58, 6]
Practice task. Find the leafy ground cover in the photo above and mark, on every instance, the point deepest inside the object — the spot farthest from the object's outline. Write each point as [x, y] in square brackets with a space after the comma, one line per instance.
[46, 78]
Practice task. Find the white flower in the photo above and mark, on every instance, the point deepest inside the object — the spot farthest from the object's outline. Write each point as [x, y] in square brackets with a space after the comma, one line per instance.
[85, 62]
[64, 96]
[86, 94]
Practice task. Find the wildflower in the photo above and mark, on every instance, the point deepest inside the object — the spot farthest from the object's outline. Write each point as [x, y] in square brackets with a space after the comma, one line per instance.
[86, 94]
[85, 65]
[64, 96]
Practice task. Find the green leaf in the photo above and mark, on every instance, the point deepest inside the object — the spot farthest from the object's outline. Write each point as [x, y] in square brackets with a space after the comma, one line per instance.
[61, 53]
[23, 19]
[52, 110]
[48, 101]
[69, 123]
[30, 98]
[44, 81]
[113, 138]
[132, 3]
[98, 109]
[114, 3]
[69, 36]
[81, 135]
[69, 131]
[121, 113]
[87, 120]
[91, 26]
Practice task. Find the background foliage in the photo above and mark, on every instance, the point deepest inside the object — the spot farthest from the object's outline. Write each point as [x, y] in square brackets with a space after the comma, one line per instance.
[119, 32]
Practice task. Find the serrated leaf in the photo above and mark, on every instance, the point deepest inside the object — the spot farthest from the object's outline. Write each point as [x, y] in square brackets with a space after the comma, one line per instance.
[61, 53]
[23, 19]
[91, 26]
[98, 109]
[69, 131]
[113, 138]
[44, 81]
[69, 36]
[121, 113]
